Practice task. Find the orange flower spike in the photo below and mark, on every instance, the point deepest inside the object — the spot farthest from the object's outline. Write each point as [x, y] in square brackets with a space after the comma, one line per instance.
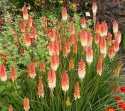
[81, 69]
[65, 51]
[3, 74]
[99, 65]
[83, 38]
[111, 52]
[51, 45]
[83, 22]
[116, 45]
[34, 32]
[22, 26]
[115, 27]
[13, 73]
[27, 39]
[117, 70]
[89, 55]
[67, 47]
[89, 38]
[42, 66]
[52, 79]
[26, 104]
[10, 108]
[103, 45]
[97, 38]
[55, 48]
[109, 38]
[30, 20]
[97, 28]
[28, 26]
[75, 36]
[72, 39]
[106, 28]
[65, 81]
[102, 30]
[31, 70]
[77, 91]
[75, 48]
[25, 13]
[54, 62]
[71, 64]
[118, 36]
[72, 29]
[64, 14]
[40, 89]
[52, 34]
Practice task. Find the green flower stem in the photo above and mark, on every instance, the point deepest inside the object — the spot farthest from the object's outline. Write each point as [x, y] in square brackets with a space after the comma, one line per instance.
[76, 104]
[97, 84]
[11, 96]
[64, 100]
[15, 86]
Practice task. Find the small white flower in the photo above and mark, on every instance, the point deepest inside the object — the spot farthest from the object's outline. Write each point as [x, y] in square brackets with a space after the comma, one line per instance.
[87, 14]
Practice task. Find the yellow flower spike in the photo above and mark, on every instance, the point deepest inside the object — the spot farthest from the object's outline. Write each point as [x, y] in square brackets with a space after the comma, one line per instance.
[68, 102]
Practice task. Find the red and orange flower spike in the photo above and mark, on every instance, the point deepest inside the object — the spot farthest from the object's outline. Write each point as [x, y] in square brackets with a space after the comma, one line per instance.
[81, 69]
[83, 22]
[31, 70]
[34, 32]
[103, 45]
[22, 26]
[30, 20]
[65, 81]
[42, 66]
[72, 39]
[99, 65]
[25, 13]
[54, 62]
[89, 38]
[75, 48]
[3, 74]
[13, 73]
[83, 38]
[89, 55]
[28, 26]
[116, 44]
[26, 104]
[10, 108]
[55, 48]
[52, 79]
[27, 39]
[118, 36]
[65, 51]
[52, 34]
[97, 38]
[40, 89]
[111, 52]
[67, 47]
[115, 27]
[64, 14]
[77, 91]
[97, 28]
[72, 29]
[109, 38]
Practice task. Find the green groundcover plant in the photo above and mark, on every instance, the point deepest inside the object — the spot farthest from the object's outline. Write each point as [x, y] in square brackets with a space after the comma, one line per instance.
[49, 64]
